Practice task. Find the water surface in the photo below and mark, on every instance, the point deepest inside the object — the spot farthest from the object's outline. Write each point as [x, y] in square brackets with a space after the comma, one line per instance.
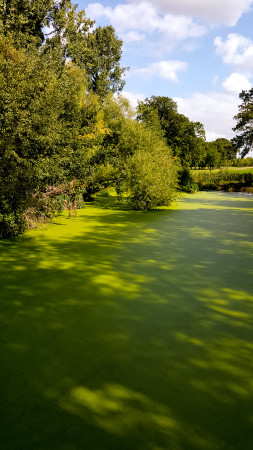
[128, 330]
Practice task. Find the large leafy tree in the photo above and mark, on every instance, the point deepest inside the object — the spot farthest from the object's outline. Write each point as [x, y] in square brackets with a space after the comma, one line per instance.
[127, 154]
[38, 129]
[165, 110]
[24, 20]
[151, 174]
[98, 51]
[244, 127]
[102, 62]
[212, 155]
[226, 150]
[185, 138]
[45, 47]
[142, 160]
[65, 33]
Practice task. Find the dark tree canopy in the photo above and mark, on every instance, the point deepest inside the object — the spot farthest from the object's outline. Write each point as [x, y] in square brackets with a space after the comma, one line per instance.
[60, 29]
[59, 122]
[24, 20]
[244, 127]
[185, 138]
[102, 63]
[226, 149]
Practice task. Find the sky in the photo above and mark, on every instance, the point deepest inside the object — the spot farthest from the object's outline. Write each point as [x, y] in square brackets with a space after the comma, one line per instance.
[198, 52]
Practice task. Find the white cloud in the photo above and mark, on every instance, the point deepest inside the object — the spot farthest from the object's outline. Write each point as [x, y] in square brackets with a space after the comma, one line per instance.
[166, 70]
[124, 17]
[145, 18]
[236, 83]
[215, 109]
[236, 50]
[215, 80]
[132, 36]
[226, 12]
[133, 98]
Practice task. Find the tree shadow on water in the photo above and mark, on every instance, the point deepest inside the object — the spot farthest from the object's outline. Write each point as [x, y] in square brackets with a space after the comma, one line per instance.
[123, 330]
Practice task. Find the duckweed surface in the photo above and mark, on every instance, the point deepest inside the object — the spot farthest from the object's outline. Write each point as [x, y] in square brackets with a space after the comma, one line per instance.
[127, 330]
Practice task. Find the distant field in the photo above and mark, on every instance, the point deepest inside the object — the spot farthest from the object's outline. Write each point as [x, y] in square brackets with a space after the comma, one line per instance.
[230, 169]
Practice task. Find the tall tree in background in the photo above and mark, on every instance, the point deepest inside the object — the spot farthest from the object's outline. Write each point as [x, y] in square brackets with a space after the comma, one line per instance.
[24, 20]
[65, 33]
[226, 150]
[212, 155]
[185, 138]
[244, 127]
[103, 61]
[98, 51]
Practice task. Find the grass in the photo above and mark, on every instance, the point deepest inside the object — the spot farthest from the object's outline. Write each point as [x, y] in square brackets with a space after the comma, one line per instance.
[127, 330]
[230, 169]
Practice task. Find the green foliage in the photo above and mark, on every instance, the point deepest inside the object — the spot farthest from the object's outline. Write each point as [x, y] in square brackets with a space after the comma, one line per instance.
[244, 138]
[212, 156]
[243, 162]
[226, 150]
[218, 153]
[152, 174]
[40, 122]
[102, 63]
[24, 21]
[12, 223]
[98, 51]
[186, 181]
[185, 138]
[61, 127]
[223, 179]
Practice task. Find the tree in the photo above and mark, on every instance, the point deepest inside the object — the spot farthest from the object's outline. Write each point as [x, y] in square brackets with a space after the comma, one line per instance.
[185, 138]
[152, 173]
[59, 29]
[165, 110]
[244, 128]
[102, 63]
[67, 33]
[226, 150]
[24, 20]
[213, 157]
[45, 133]
[98, 51]
[131, 157]
[38, 128]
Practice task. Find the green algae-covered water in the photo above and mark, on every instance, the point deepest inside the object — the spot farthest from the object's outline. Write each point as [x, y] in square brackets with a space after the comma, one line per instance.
[124, 330]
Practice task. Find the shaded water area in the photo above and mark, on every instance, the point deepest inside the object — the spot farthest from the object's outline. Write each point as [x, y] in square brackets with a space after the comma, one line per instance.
[124, 330]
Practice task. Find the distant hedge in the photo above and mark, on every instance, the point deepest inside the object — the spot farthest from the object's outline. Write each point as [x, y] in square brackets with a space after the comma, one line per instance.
[223, 179]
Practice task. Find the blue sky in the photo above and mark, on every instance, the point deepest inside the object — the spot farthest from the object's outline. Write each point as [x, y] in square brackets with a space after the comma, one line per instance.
[198, 52]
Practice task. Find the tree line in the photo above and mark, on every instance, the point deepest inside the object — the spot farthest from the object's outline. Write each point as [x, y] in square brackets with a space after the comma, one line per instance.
[63, 130]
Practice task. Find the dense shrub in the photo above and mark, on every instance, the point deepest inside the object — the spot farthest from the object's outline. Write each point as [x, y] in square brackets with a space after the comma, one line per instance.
[186, 181]
[223, 179]
[12, 224]
[152, 177]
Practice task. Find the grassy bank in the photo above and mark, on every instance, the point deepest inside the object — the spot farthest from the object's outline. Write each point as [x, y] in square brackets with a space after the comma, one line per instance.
[128, 330]
[228, 180]
[229, 169]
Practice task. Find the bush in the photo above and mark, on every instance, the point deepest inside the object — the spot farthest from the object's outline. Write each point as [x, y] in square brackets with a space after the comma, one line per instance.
[223, 179]
[186, 181]
[152, 178]
[12, 224]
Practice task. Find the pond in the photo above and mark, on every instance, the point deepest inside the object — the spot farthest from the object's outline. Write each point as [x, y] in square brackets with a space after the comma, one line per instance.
[128, 330]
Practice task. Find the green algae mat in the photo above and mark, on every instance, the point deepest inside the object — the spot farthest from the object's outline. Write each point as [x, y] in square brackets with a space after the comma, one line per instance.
[127, 330]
